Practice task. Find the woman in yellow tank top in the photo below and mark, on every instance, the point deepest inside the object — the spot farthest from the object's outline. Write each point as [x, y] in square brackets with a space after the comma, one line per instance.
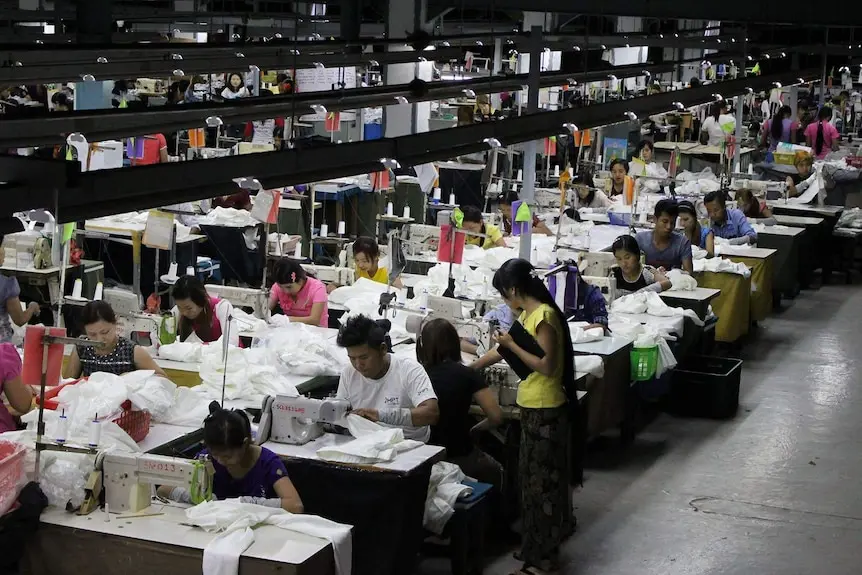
[543, 398]
[366, 260]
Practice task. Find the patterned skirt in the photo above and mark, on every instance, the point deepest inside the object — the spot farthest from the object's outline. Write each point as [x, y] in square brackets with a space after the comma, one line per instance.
[544, 470]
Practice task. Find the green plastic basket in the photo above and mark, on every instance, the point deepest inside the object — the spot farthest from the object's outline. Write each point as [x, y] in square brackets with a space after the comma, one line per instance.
[644, 361]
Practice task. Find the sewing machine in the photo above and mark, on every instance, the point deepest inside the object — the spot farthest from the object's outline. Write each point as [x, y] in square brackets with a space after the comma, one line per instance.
[129, 478]
[342, 276]
[421, 238]
[597, 264]
[256, 299]
[503, 382]
[141, 328]
[298, 420]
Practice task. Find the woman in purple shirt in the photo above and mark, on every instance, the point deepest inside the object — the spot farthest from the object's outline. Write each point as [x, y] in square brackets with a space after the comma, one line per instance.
[243, 470]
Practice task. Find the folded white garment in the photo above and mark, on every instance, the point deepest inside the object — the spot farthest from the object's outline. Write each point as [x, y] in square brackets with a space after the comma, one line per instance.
[720, 265]
[370, 447]
[591, 364]
[698, 253]
[652, 304]
[228, 217]
[184, 351]
[444, 490]
[237, 520]
[581, 335]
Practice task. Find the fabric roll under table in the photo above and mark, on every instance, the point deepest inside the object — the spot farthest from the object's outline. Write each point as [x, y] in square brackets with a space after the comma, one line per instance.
[732, 307]
[761, 285]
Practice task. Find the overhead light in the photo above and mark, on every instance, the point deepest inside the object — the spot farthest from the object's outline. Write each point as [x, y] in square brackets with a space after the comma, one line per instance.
[661, 35]
[646, 72]
[576, 48]
[401, 100]
[718, 40]
[235, 36]
[777, 84]
[239, 55]
[604, 47]
[479, 43]
[430, 48]
[319, 65]
[469, 93]
[101, 60]
[718, 97]
[679, 106]
[373, 63]
[800, 80]
[294, 52]
[750, 58]
[783, 55]
[88, 77]
[631, 115]
[733, 39]
[766, 56]
[214, 122]
[612, 77]
[749, 90]
[319, 109]
[75, 138]
[178, 72]
[445, 43]
[176, 56]
[676, 35]
[570, 127]
[492, 142]
[389, 163]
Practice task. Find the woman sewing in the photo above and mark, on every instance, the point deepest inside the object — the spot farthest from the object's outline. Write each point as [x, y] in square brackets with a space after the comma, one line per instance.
[199, 314]
[473, 222]
[619, 174]
[116, 354]
[301, 297]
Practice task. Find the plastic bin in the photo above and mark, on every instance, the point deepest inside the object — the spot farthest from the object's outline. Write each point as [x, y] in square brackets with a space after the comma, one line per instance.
[12, 476]
[644, 361]
[706, 387]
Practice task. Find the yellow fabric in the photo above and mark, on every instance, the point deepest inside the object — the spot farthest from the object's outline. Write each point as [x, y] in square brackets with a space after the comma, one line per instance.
[381, 276]
[540, 391]
[493, 233]
[761, 282]
[732, 307]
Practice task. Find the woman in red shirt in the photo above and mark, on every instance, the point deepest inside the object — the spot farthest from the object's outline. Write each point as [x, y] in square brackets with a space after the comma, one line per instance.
[155, 151]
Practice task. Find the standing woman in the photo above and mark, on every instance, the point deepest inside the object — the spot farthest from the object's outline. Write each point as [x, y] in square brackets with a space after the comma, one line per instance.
[780, 128]
[821, 135]
[117, 355]
[546, 399]
[300, 296]
[198, 313]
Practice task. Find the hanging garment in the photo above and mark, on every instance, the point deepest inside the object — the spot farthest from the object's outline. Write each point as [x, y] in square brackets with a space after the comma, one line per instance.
[236, 522]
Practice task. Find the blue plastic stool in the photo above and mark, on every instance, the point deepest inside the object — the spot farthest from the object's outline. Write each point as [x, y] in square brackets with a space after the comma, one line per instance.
[466, 529]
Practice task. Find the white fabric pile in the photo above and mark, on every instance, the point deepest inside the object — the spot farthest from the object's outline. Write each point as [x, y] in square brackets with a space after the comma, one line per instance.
[651, 304]
[229, 218]
[698, 253]
[681, 281]
[299, 349]
[581, 335]
[645, 336]
[235, 522]
[763, 227]
[697, 184]
[851, 218]
[246, 375]
[719, 265]
[444, 490]
[591, 364]
[373, 444]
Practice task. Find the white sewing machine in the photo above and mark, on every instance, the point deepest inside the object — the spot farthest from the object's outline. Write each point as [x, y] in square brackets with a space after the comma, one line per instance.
[421, 238]
[298, 420]
[257, 299]
[142, 328]
[129, 478]
[342, 276]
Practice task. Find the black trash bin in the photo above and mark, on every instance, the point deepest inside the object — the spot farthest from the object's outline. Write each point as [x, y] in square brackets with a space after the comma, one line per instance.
[705, 386]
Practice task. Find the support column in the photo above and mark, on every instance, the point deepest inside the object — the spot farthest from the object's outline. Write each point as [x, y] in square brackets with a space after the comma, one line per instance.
[793, 101]
[399, 119]
[351, 22]
[823, 74]
[496, 103]
[528, 193]
[95, 21]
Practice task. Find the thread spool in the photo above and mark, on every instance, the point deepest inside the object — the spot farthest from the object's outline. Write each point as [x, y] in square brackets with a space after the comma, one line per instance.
[97, 295]
[324, 230]
[297, 253]
[751, 169]
[520, 175]
[341, 228]
[390, 209]
[62, 428]
[451, 199]
[78, 289]
[556, 171]
[190, 271]
[172, 272]
[437, 194]
[406, 212]
[95, 434]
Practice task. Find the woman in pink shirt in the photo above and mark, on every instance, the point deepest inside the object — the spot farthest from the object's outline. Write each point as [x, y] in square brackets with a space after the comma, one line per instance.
[821, 135]
[301, 297]
[17, 393]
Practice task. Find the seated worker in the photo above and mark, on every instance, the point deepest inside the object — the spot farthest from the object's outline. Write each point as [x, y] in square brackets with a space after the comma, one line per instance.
[238, 201]
[589, 197]
[196, 312]
[798, 182]
[388, 389]
[752, 207]
[243, 471]
[473, 222]
[366, 258]
[501, 314]
[630, 274]
[117, 355]
[457, 387]
[300, 296]
[645, 151]
[694, 232]
[619, 173]
[17, 394]
[728, 223]
[505, 203]
[663, 247]
[590, 306]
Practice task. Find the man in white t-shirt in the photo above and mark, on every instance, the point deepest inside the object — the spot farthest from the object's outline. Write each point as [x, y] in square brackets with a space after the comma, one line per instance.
[381, 387]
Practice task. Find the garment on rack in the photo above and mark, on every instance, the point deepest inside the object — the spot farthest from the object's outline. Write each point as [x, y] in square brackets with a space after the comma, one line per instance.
[236, 522]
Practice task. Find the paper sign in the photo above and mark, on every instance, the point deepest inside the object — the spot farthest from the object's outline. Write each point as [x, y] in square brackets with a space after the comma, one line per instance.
[159, 230]
[197, 138]
[265, 208]
[427, 174]
[449, 253]
[550, 146]
[521, 218]
[68, 230]
[380, 180]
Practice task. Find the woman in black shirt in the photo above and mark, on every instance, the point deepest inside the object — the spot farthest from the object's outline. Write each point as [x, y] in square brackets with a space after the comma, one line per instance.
[438, 349]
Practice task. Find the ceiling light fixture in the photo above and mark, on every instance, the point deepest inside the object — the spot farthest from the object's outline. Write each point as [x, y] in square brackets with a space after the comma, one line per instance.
[319, 109]
[631, 116]
[492, 142]
[389, 163]
[214, 122]
[401, 100]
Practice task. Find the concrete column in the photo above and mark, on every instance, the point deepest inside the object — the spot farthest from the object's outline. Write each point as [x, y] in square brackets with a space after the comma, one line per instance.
[399, 119]
[496, 69]
[793, 101]
[351, 21]
[528, 193]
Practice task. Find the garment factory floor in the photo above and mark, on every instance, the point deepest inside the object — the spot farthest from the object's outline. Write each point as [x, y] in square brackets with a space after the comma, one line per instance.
[774, 491]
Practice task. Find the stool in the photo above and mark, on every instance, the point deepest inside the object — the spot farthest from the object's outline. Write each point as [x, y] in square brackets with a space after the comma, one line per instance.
[466, 530]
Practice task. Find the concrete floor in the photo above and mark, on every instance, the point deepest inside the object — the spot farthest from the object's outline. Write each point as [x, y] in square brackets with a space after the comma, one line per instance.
[774, 491]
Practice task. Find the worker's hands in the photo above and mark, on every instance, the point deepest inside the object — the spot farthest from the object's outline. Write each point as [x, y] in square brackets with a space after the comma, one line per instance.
[331, 288]
[502, 338]
[659, 275]
[33, 308]
[369, 414]
[789, 181]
